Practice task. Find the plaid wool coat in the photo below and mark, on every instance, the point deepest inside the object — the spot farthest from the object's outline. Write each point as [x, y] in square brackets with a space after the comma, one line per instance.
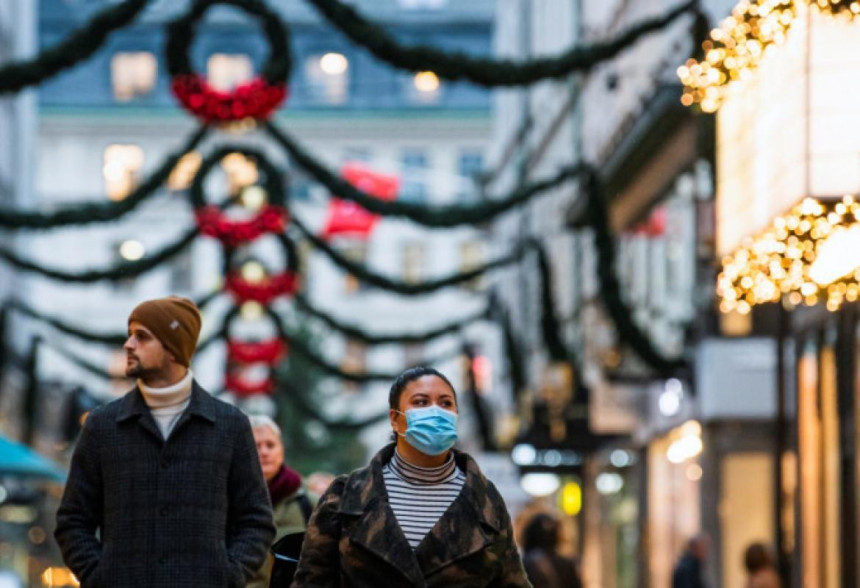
[139, 511]
[354, 541]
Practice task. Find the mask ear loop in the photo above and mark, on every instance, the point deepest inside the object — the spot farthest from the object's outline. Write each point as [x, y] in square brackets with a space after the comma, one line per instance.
[395, 431]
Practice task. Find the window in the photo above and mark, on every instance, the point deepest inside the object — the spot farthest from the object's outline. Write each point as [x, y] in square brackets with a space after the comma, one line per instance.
[241, 171]
[122, 164]
[357, 155]
[414, 167]
[183, 174]
[226, 71]
[413, 262]
[327, 78]
[354, 362]
[133, 74]
[471, 257]
[356, 252]
[470, 165]
[181, 272]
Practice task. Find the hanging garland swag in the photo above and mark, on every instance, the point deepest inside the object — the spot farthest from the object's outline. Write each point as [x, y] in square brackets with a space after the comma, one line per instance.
[211, 220]
[256, 99]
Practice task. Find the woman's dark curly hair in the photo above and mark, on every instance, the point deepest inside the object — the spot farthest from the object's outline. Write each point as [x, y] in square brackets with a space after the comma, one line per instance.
[410, 375]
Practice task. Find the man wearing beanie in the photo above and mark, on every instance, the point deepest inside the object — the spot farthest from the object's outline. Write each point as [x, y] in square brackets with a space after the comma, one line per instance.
[165, 488]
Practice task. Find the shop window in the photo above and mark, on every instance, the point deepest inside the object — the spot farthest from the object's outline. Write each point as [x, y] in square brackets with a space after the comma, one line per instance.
[327, 76]
[414, 167]
[226, 71]
[121, 169]
[413, 262]
[133, 74]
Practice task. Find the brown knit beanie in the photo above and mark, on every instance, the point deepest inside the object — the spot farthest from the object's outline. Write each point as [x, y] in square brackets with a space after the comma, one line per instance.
[174, 321]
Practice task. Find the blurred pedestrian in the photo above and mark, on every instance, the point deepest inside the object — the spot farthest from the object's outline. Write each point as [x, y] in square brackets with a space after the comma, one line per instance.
[291, 503]
[760, 567]
[689, 573]
[165, 487]
[545, 566]
[318, 482]
[421, 514]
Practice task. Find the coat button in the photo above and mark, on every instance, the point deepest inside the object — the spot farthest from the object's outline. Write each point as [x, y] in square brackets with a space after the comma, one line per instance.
[163, 511]
[163, 464]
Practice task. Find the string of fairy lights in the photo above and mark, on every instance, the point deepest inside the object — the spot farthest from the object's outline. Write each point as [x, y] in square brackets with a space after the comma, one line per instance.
[735, 48]
[806, 255]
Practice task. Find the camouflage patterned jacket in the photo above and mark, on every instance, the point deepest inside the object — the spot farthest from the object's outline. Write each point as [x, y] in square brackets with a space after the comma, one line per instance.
[354, 540]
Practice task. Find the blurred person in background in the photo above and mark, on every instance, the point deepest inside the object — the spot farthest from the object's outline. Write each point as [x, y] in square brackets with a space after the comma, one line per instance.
[318, 482]
[689, 573]
[421, 514]
[760, 569]
[291, 503]
[545, 566]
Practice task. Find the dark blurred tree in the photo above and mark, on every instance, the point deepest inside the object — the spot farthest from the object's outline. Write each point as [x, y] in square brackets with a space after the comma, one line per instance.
[312, 444]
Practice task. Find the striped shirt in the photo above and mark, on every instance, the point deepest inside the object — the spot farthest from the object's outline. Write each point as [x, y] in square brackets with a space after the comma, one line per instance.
[420, 496]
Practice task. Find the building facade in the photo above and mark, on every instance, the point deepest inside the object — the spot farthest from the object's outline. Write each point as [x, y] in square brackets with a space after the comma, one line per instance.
[106, 124]
[673, 453]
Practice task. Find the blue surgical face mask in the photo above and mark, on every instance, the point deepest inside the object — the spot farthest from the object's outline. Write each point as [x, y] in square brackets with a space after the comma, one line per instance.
[430, 429]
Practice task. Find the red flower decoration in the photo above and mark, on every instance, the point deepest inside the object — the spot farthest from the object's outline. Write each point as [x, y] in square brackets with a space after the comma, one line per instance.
[256, 99]
[243, 388]
[263, 292]
[270, 351]
[213, 223]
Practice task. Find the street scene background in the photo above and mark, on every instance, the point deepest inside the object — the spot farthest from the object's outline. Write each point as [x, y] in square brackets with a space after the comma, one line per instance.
[626, 231]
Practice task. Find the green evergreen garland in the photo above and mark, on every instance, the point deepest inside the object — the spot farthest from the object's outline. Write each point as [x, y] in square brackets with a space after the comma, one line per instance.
[364, 274]
[78, 46]
[300, 401]
[119, 271]
[359, 334]
[92, 212]
[484, 71]
[610, 287]
[446, 216]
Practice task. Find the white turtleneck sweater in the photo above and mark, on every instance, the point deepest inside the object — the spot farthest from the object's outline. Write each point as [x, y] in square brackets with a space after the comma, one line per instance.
[167, 404]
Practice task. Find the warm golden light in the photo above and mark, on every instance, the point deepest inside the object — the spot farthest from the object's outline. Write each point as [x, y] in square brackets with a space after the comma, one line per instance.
[254, 198]
[734, 49]
[254, 272]
[426, 81]
[812, 252]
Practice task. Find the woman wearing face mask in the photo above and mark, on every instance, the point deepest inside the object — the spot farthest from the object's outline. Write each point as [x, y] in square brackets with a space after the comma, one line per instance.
[421, 514]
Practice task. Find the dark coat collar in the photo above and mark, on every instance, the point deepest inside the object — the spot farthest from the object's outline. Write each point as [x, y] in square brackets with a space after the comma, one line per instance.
[468, 524]
[133, 405]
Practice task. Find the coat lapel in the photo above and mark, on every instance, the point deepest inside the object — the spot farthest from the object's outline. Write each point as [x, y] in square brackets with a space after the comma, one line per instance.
[376, 528]
[201, 405]
[468, 526]
[134, 406]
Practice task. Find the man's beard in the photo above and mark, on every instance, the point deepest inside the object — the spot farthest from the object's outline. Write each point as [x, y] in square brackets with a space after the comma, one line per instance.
[140, 372]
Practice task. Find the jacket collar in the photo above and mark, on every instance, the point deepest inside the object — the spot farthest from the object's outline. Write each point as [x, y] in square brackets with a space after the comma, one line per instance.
[469, 522]
[133, 405]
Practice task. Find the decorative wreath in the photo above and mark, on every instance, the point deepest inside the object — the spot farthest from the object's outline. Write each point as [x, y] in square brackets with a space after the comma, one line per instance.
[256, 99]
[272, 218]
[243, 353]
[270, 351]
[286, 282]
